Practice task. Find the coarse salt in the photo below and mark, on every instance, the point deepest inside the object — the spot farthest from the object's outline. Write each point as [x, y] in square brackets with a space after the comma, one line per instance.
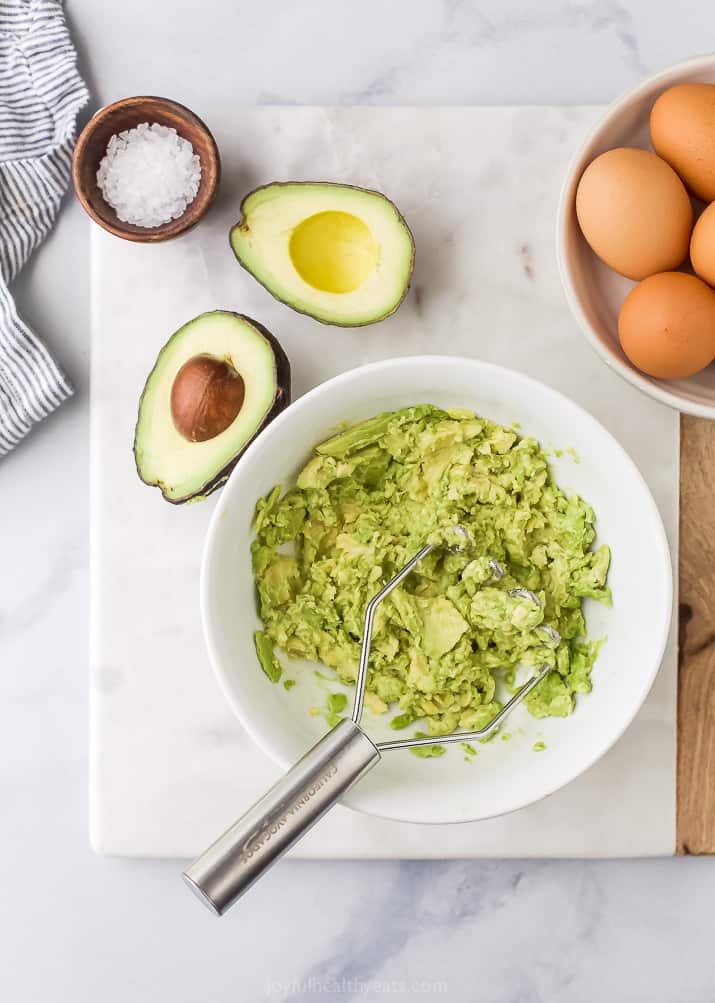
[149, 174]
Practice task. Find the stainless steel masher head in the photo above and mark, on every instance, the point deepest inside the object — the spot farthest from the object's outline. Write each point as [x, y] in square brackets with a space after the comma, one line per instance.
[325, 773]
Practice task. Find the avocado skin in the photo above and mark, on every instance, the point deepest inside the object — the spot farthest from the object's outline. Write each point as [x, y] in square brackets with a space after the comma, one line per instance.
[333, 184]
[281, 401]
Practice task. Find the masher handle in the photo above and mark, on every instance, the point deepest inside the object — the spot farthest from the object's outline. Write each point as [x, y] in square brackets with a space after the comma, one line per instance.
[282, 816]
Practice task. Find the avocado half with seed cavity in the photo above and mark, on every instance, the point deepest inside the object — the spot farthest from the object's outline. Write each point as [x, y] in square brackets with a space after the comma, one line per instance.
[341, 254]
[216, 383]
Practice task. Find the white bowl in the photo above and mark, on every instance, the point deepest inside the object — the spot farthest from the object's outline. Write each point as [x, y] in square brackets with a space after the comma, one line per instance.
[505, 775]
[594, 292]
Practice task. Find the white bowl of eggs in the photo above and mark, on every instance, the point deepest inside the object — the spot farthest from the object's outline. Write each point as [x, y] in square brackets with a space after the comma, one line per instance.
[636, 237]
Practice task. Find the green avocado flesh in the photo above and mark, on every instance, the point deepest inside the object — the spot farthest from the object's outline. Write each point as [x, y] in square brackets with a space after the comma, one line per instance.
[343, 255]
[444, 640]
[167, 456]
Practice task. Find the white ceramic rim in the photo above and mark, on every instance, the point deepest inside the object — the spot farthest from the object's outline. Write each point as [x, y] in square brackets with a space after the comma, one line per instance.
[660, 542]
[669, 397]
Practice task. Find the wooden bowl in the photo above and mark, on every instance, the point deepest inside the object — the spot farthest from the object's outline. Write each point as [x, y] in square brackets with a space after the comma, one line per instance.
[126, 114]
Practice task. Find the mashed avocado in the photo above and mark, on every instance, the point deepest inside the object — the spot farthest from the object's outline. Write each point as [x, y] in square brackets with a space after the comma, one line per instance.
[369, 498]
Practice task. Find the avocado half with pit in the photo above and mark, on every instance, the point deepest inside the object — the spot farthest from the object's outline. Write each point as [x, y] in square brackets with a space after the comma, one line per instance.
[341, 254]
[216, 383]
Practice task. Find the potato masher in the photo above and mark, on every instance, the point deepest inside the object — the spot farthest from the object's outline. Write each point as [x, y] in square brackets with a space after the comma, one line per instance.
[317, 781]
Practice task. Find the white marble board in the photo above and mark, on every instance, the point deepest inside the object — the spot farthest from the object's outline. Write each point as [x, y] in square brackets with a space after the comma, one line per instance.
[170, 765]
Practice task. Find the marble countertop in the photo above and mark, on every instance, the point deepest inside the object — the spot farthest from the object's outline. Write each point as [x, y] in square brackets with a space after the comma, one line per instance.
[76, 927]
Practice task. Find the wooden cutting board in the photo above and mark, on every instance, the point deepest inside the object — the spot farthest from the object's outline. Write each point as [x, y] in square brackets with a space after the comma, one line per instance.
[696, 671]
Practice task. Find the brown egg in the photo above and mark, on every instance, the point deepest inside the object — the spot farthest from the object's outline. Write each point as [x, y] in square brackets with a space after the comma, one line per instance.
[634, 212]
[702, 245]
[667, 325]
[682, 130]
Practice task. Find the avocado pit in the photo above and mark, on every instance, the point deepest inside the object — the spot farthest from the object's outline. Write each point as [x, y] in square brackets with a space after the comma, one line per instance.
[206, 397]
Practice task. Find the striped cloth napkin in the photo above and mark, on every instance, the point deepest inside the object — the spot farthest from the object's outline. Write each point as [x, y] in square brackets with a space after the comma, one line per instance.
[40, 95]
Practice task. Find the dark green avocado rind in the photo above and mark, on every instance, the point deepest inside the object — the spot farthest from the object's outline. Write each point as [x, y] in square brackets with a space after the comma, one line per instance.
[333, 184]
[281, 401]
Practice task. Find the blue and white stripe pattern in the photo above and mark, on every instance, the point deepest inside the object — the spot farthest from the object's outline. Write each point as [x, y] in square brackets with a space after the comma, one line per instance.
[40, 95]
